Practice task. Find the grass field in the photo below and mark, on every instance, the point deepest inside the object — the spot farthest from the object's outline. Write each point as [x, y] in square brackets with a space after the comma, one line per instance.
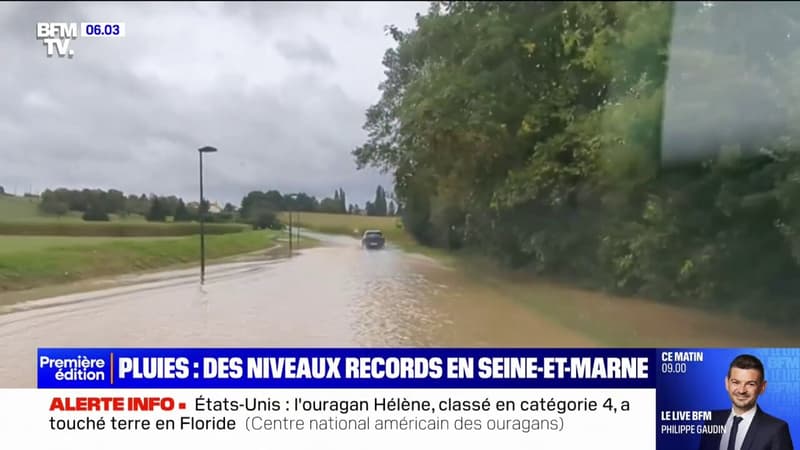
[39, 250]
[20, 216]
[16, 244]
[114, 229]
[49, 260]
[25, 209]
[353, 225]
[13, 207]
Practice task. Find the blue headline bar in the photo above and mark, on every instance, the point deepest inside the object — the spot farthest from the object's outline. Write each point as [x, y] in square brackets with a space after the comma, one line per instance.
[130, 368]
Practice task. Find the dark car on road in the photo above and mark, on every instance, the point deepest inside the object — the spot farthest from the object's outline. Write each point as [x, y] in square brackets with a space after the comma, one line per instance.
[373, 239]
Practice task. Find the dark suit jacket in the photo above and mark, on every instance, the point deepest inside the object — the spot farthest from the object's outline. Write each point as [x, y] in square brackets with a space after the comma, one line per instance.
[765, 433]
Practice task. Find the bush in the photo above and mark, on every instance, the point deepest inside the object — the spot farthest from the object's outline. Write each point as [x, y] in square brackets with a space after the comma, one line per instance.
[224, 217]
[265, 219]
[95, 215]
[52, 206]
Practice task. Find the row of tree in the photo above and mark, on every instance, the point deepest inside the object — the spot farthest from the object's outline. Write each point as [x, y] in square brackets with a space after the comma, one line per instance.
[539, 132]
[274, 200]
[97, 204]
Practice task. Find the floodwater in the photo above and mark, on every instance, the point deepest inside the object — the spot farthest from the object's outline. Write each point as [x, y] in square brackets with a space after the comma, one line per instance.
[338, 295]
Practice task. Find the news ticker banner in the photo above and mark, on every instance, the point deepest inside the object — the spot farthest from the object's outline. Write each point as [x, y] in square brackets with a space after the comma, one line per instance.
[569, 398]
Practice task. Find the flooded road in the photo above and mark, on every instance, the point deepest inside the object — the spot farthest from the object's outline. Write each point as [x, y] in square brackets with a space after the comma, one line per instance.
[340, 295]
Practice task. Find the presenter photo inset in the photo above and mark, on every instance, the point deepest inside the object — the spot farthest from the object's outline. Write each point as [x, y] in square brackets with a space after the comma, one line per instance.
[746, 426]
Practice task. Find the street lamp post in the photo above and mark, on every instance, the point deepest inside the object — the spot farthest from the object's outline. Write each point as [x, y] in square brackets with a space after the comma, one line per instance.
[298, 228]
[200, 151]
[292, 197]
[290, 230]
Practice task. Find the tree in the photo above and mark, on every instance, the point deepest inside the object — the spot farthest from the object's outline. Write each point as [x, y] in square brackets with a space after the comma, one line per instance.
[181, 212]
[343, 201]
[275, 200]
[229, 208]
[157, 212]
[300, 202]
[379, 207]
[113, 201]
[559, 161]
[2, 190]
[95, 214]
[264, 218]
[391, 208]
[51, 205]
[330, 205]
[257, 200]
[134, 204]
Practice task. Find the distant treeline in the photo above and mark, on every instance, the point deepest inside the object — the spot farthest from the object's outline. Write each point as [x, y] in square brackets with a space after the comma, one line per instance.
[274, 200]
[97, 204]
[536, 132]
[256, 207]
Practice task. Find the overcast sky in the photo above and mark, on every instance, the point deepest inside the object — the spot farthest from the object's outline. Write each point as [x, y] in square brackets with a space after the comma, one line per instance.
[280, 88]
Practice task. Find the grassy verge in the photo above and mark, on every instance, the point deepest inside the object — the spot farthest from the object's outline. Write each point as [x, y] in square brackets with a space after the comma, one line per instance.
[354, 225]
[16, 244]
[113, 229]
[45, 265]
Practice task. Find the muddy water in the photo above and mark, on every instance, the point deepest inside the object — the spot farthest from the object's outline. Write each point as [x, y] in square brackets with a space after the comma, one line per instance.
[333, 295]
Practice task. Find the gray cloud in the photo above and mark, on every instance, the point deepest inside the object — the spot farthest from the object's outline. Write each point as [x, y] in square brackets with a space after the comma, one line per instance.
[129, 113]
[308, 50]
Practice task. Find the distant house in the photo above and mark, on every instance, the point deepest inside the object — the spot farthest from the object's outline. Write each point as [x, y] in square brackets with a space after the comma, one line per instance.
[213, 208]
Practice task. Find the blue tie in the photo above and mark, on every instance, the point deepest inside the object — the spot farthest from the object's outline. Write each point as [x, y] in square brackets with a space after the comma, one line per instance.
[734, 429]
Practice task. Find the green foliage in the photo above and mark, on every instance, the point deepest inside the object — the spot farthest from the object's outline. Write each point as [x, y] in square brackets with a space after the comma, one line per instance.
[264, 218]
[342, 202]
[110, 202]
[158, 211]
[182, 214]
[95, 214]
[54, 207]
[602, 143]
[330, 205]
[273, 200]
[378, 207]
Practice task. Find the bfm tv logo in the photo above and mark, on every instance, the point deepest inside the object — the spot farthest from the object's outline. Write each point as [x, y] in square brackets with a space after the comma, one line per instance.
[56, 36]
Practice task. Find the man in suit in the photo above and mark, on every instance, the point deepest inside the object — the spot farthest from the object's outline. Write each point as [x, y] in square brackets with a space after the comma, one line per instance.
[747, 426]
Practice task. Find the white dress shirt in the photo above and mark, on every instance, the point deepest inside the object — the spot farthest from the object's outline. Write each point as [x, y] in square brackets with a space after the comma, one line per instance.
[744, 425]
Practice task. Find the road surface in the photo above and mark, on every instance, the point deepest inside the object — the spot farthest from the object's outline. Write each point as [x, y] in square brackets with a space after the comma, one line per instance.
[333, 295]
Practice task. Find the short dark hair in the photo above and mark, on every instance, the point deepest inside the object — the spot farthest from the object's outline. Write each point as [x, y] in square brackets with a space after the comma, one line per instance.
[747, 362]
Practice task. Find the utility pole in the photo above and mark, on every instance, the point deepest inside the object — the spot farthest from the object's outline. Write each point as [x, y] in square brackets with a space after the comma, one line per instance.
[290, 231]
[202, 216]
[298, 229]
